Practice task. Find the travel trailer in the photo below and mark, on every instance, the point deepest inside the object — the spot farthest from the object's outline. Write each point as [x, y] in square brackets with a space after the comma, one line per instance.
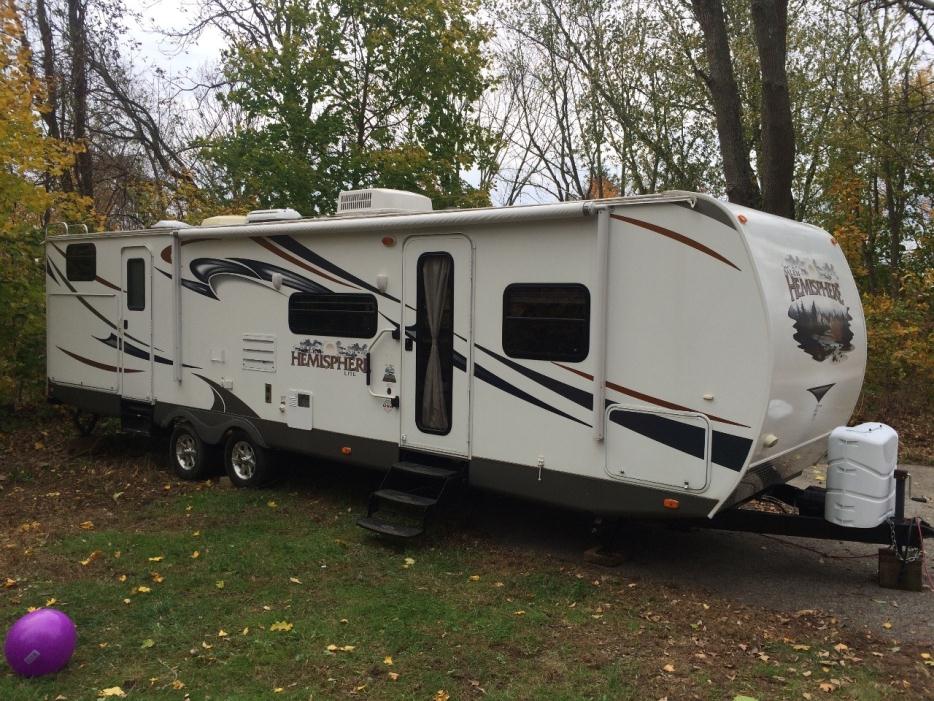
[668, 355]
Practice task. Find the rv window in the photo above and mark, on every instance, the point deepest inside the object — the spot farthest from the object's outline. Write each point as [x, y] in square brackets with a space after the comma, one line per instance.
[135, 284]
[80, 262]
[546, 321]
[330, 314]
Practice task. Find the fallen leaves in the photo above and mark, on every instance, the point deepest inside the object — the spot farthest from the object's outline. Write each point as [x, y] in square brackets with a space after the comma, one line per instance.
[340, 648]
[281, 626]
[9, 583]
[827, 687]
[670, 668]
[271, 504]
[91, 558]
[196, 554]
[142, 590]
[441, 695]
[474, 578]
[219, 584]
[147, 643]
[394, 676]
[409, 561]
[887, 625]
[86, 525]
[387, 660]
[222, 633]
[156, 577]
[518, 613]
[157, 558]
[295, 580]
[112, 691]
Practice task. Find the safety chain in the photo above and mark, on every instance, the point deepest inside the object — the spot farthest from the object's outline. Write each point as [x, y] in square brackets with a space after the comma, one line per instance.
[906, 554]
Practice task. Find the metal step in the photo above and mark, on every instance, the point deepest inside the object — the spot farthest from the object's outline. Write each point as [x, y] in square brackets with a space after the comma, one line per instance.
[406, 498]
[425, 470]
[396, 530]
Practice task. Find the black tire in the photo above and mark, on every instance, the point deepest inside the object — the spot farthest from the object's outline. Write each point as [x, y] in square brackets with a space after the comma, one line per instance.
[248, 464]
[188, 454]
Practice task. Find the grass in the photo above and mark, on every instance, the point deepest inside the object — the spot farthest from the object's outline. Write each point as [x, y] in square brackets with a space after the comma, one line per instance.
[459, 615]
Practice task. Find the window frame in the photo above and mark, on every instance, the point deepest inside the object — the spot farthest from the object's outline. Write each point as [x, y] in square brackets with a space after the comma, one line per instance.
[74, 256]
[311, 330]
[510, 349]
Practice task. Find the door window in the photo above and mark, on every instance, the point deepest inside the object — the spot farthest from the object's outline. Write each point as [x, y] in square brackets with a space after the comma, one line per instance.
[135, 284]
[434, 348]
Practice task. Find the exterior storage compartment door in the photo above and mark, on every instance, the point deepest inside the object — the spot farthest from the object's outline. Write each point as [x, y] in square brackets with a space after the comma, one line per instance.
[658, 446]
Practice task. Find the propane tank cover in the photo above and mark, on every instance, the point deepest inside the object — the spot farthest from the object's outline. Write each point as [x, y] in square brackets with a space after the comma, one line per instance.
[861, 475]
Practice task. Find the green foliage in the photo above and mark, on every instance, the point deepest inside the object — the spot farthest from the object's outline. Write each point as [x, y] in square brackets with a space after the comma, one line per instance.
[353, 93]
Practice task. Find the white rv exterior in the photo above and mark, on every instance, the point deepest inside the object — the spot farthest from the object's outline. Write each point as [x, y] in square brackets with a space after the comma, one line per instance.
[667, 355]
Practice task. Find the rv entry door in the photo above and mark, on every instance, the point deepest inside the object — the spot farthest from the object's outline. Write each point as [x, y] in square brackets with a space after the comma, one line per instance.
[436, 317]
[136, 324]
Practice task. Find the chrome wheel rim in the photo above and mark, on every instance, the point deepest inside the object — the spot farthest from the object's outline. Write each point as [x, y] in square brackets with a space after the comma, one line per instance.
[186, 452]
[243, 460]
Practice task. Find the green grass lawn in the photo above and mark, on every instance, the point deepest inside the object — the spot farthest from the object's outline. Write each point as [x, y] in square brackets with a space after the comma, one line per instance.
[226, 594]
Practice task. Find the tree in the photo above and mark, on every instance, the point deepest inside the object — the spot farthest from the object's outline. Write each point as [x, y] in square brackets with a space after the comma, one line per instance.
[341, 94]
[28, 160]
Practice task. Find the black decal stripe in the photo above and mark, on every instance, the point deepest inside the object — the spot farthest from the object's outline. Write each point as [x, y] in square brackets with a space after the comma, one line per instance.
[130, 349]
[485, 375]
[232, 403]
[675, 434]
[293, 246]
[295, 261]
[729, 451]
[574, 394]
[95, 363]
[48, 269]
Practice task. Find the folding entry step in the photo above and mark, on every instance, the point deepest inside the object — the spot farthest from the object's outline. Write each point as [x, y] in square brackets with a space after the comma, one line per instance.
[407, 497]
[136, 417]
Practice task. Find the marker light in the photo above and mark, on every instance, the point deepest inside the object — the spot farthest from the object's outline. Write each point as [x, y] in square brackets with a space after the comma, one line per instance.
[346, 450]
[671, 503]
[389, 241]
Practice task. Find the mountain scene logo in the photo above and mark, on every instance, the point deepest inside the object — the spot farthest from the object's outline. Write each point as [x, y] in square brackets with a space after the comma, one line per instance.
[313, 353]
[822, 319]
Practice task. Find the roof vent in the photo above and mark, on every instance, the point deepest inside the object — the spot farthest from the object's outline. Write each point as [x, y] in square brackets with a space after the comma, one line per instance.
[264, 215]
[380, 201]
[170, 224]
[224, 220]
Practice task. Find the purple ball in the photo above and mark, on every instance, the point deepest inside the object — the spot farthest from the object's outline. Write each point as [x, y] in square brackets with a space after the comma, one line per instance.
[40, 643]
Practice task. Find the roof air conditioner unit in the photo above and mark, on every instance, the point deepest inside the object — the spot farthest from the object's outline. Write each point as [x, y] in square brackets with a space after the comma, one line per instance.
[380, 201]
[265, 215]
[170, 224]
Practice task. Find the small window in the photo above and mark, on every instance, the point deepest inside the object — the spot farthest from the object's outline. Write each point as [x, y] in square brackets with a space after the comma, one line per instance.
[328, 314]
[546, 321]
[81, 262]
[135, 284]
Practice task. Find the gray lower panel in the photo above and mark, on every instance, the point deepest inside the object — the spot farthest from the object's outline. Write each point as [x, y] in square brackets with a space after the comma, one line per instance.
[92, 400]
[778, 471]
[601, 496]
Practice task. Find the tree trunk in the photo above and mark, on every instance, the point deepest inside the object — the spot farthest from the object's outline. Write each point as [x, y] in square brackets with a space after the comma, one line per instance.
[50, 75]
[741, 185]
[79, 77]
[777, 141]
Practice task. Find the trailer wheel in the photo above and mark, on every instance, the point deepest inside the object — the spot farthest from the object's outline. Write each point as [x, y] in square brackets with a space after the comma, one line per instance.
[188, 453]
[247, 463]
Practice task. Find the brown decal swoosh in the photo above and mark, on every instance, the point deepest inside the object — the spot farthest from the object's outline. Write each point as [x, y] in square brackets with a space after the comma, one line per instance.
[107, 284]
[94, 363]
[680, 238]
[650, 399]
[300, 263]
[167, 251]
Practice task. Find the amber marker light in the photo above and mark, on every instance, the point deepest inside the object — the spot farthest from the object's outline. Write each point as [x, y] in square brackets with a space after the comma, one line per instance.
[346, 450]
[389, 241]
[671, 503]
[833, 241]
[742, 219]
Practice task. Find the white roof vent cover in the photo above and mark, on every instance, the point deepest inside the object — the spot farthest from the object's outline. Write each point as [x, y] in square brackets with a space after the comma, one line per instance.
[261, 215]
[381, 201]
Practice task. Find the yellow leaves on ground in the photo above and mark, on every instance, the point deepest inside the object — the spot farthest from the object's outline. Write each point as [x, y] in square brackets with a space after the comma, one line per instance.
[157, 558]
[91, 558]
[295, 580]
[9, 583]
[669, 668]
[178, 684]
[387, 660]
[887, 625]
[113, 691]
[271, 504]
[147, 643]
[394, 676]
[156, 577]
[409, 561]
[219, 584]
[474, 578]
[51, 602]
[827, 687]
[340, 648]
[86, 525]
[441, 695]
[841, 647]
[195, 555]
[281, 626]
[278, 690]
[222, 633]
[142, 590]
[518, 613]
